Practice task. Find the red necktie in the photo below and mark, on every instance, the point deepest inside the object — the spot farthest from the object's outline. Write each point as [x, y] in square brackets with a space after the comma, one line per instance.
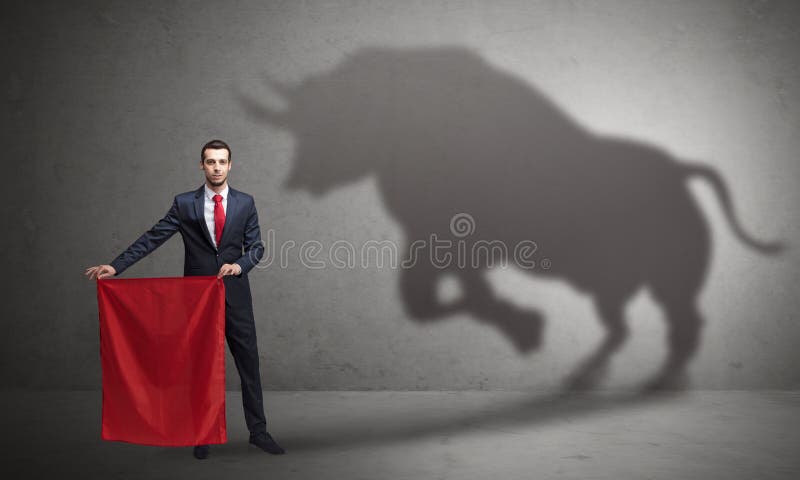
[219, 218]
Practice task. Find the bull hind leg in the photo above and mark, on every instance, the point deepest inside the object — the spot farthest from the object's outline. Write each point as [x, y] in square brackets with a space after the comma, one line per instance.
[592, 370]
[676, 277]
[683, 340]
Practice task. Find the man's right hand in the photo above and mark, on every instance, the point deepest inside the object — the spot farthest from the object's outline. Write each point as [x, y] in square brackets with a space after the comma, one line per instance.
[100, 271]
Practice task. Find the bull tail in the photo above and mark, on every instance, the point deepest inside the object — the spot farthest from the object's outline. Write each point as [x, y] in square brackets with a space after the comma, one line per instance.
[710, 175]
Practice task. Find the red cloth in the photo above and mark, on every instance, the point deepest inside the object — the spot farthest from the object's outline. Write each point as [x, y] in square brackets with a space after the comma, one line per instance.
[163, 356]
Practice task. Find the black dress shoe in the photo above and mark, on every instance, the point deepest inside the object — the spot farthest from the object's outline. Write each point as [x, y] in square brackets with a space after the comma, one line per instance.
[265, 442]
[201, 452]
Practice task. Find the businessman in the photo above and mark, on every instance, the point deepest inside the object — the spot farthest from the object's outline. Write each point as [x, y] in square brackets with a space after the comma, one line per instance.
[221, 237]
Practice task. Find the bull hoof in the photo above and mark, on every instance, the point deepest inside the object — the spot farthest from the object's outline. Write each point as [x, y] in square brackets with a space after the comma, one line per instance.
[667, 383]
[583, 380]
[524, 329]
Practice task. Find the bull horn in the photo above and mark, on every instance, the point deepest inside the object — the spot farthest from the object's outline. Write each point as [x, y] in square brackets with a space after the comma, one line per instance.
[283, 89]
[263, 112]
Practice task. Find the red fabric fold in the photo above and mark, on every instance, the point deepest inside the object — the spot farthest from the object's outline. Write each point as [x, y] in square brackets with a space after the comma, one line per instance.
[162, 347]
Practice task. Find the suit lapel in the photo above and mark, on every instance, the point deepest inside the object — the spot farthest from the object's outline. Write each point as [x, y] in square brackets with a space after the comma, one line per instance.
[199, 210]
[230, 214]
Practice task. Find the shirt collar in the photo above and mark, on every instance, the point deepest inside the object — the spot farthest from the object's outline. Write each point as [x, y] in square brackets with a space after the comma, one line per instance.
[210, 193]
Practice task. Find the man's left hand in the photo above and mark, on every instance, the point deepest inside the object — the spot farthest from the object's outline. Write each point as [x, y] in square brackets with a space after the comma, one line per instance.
[229, 269]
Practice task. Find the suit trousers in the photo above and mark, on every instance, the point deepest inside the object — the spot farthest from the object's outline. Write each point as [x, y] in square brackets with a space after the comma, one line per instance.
[240, 332]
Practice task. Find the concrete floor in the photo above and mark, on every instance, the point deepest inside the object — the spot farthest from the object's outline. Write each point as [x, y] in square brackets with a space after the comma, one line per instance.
[432, 435]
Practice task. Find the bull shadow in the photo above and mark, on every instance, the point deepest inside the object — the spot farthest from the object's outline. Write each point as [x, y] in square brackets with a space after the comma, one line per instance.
[465, 153]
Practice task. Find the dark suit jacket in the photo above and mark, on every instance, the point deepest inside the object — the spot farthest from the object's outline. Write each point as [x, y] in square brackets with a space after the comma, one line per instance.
[240, 243]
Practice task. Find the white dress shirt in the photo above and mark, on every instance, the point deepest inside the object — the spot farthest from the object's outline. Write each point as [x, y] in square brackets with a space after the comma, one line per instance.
[209, 210]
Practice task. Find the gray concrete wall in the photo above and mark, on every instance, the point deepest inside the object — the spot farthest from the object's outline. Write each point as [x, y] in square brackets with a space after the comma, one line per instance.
[570, 124]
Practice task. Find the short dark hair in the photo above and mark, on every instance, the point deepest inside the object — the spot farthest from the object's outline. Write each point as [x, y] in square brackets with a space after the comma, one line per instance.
[215, 145]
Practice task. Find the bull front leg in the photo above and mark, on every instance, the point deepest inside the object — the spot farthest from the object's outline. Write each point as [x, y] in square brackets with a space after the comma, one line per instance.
[523, 327]
[418, 287]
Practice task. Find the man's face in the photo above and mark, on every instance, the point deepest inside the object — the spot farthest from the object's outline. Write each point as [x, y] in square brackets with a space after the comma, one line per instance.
[216, 164]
